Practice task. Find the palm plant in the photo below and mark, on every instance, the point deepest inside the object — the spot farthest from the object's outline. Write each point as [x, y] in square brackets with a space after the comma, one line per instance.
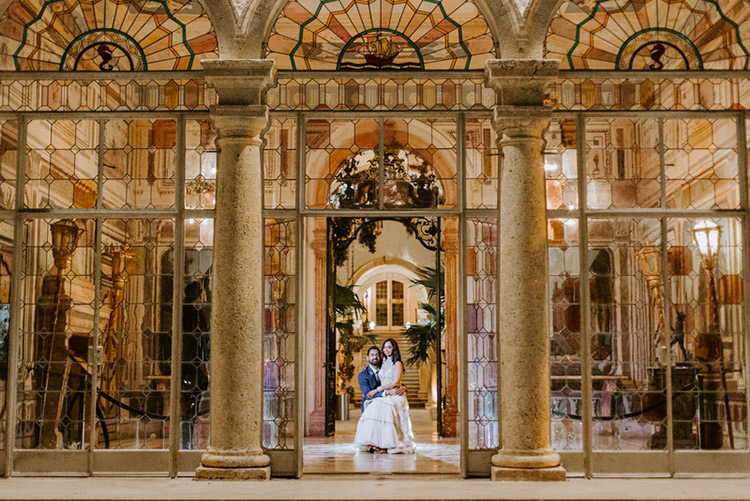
[348, 305]
[422, 336]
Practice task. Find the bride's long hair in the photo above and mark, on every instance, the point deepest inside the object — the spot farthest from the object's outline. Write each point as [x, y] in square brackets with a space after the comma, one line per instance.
[395, 354]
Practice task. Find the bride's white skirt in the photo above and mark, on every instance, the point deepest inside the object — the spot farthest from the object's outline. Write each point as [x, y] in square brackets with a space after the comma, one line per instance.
[385, 424]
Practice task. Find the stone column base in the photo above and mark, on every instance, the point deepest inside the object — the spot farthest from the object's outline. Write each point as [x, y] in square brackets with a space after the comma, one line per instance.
[209, 473]
[556, 474]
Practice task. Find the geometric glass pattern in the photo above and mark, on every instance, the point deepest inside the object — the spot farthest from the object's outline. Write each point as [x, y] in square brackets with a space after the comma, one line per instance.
[105, 35]
[560, 165]
[135, 333]
[625, 322]
[8, 160]
[280, 164]
[200, 165]
[378, 34]
[196, 348]
[280, 339]
[622, 163]
[57, 311]
[481, 304]
[481, 164]
[707, 302]
[649, 35]
[139, 163]
[565, 339]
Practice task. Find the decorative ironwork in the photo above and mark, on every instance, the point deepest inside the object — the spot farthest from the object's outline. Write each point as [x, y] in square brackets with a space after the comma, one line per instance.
[409, 181]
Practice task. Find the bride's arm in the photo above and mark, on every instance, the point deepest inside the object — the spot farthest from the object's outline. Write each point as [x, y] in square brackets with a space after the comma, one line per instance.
[398, 368]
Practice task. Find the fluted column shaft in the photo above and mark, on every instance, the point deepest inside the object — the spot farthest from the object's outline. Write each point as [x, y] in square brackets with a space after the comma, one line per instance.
[524, 374]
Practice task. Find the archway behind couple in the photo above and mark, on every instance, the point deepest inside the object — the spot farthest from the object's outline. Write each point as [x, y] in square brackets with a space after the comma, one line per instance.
[381, 280]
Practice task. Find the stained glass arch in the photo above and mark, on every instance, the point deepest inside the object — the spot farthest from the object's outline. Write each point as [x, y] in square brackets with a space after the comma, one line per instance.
[651, 35]
[105, 35]
[380, 34]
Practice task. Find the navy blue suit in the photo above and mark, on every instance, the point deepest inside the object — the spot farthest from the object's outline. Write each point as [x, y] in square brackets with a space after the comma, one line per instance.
[367, 382]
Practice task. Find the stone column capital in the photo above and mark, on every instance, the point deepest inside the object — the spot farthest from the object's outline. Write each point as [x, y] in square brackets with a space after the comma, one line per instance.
[240, 122]
[521, 122]
[520, 82]
[240, 81]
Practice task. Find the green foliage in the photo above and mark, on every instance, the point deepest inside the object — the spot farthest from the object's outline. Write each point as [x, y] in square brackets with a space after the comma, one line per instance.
[422, 336]
[347, 305]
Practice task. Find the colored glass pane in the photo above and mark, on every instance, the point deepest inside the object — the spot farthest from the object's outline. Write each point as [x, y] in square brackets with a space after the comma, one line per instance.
[375, 34]
[650, 35]
[105, 35]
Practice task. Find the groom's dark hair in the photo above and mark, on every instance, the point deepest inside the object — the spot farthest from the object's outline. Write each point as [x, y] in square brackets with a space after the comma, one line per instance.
[372, 348]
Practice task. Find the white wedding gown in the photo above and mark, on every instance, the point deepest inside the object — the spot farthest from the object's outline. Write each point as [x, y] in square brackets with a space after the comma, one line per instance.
[385, 423]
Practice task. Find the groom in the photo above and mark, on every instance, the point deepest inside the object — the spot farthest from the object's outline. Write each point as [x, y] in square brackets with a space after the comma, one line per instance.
[369, 379]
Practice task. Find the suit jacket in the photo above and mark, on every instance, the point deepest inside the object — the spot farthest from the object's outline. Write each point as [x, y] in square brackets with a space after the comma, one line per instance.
[367, 382]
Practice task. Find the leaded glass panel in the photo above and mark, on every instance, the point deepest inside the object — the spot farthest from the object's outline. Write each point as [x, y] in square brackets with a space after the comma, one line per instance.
[280, 165]
[138, 164]
[481, 164]
[481, 313]
[195, 417]
[8, 160]
[279, 344]
[565, 341]
[6, 265]
[58, 297]
[561, 164]
[200, 165]
[626, 323]
[136, 306]
[62, 164]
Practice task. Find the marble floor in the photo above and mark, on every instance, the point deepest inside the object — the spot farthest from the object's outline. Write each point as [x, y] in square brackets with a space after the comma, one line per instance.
[337, 455]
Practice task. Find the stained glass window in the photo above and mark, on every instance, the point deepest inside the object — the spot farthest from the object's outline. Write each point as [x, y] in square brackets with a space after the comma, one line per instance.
[650, 35]
[375, 34]
[105, 35]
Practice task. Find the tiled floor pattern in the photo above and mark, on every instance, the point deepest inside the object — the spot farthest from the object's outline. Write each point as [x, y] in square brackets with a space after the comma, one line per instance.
[337, 455]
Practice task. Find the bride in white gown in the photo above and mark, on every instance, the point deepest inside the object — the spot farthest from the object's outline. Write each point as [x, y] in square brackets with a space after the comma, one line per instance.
[385, 423]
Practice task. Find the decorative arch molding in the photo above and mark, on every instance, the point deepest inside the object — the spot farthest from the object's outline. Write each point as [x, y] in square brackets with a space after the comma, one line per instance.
[105, 35]
[371, 272]
[653, 35]
[380, 34]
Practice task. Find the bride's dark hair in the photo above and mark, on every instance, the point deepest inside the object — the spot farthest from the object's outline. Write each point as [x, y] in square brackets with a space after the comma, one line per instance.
[395, 354]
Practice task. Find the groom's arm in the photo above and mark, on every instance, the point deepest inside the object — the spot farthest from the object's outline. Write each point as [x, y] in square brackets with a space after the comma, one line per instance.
[364, 386]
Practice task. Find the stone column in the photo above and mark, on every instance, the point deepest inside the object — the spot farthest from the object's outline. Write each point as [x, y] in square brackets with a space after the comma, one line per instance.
[316, 423]
[237, 326]
[524, 375]
[450, 373]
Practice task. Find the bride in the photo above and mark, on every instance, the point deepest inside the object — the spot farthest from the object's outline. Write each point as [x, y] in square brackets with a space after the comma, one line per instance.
[385, 422]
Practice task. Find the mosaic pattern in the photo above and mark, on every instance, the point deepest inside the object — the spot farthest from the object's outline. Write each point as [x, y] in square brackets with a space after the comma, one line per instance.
[565, 340]
[62, 164]
[200, 165]
[6, 265]
[135, 332]
[561, 165]
[196, 347]
[708, 325]
[623, 164]
[279, 343]
[104, 95]
[481, 304]
[138, 166]
[701, 166]
[280, 165]
[652, 35]
[105, 35]
[626, 326]
[381, 94]
[481, 164]
[57, 312]
[379, 34]
[8, 161]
